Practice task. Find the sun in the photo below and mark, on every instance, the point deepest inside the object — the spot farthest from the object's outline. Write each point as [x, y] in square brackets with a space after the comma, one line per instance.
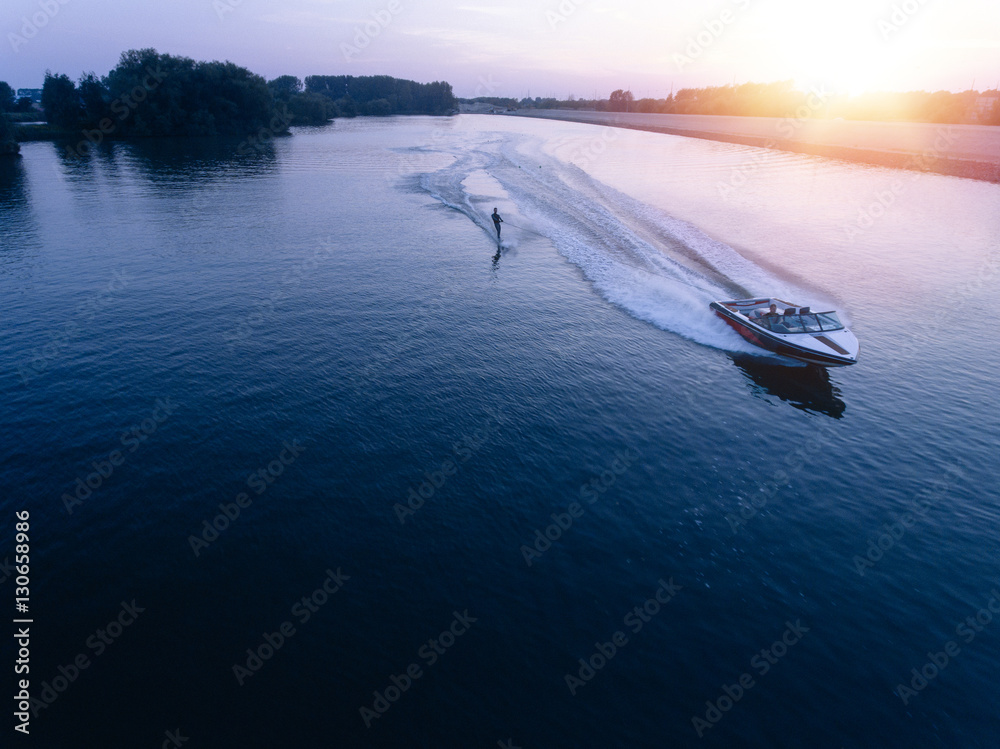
[840, 72]
[838, 49]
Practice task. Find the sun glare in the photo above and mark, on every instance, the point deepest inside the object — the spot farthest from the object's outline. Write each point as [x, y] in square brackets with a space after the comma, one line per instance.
[838, 78]
[841, 50]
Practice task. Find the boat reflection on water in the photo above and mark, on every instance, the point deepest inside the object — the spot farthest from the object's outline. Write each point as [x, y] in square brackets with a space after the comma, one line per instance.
[805, 387]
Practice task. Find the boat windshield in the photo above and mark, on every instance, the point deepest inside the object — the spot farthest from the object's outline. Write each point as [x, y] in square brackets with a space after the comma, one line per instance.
[811, 323]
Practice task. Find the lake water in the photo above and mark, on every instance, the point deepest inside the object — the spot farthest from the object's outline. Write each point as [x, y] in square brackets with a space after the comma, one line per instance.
[310, 463]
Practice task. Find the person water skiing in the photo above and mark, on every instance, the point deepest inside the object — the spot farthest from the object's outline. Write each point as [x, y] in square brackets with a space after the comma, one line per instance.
[497, 221]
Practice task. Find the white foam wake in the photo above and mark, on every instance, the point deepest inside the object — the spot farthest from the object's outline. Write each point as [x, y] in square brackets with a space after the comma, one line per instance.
[655, 267]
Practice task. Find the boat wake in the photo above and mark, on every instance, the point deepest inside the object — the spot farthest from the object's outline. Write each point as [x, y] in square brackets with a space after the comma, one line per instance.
[656, 267]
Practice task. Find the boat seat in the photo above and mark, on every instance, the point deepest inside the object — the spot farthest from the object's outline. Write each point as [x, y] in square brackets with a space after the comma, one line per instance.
[789, 310]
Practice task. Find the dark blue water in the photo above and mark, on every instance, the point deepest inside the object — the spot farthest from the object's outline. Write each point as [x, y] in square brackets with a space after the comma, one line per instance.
[318, 350]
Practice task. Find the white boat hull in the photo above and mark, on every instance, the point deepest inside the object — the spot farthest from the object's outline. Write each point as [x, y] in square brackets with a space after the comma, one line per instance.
[834, 347]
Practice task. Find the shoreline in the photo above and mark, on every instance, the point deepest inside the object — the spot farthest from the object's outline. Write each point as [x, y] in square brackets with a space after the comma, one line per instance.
[970, 151]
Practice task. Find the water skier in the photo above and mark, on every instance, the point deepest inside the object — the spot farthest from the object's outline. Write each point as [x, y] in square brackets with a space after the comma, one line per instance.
[496, 222]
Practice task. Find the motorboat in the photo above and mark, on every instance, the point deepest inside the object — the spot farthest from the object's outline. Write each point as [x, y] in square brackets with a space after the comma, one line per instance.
[793, 331]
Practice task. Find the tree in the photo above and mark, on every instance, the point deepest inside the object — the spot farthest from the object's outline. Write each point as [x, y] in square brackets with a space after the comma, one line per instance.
[351, 93]
[311, 109]
[153, 94]
[94, 98]
[376, 108]
[8, 139]
[620, 101]
[150, 94]
[307, 108]
[7, 97]
[347, 107]
[284, 87]
[61, 101]
[438, 98]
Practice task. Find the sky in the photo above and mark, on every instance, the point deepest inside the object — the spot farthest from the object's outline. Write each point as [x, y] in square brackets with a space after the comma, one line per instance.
[531, 48]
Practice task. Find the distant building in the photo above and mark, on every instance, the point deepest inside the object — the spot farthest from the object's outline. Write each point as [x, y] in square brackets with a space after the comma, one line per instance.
[35, 94]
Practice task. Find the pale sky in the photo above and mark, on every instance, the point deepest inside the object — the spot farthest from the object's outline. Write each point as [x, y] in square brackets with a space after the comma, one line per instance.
[521, 47]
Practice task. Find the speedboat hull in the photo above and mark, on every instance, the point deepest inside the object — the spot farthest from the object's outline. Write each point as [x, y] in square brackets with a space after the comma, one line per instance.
[795, 332]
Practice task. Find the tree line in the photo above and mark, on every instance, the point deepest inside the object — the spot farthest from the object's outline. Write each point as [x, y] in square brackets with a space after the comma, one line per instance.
[382, 94]
[153, 94]
[783, 99]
